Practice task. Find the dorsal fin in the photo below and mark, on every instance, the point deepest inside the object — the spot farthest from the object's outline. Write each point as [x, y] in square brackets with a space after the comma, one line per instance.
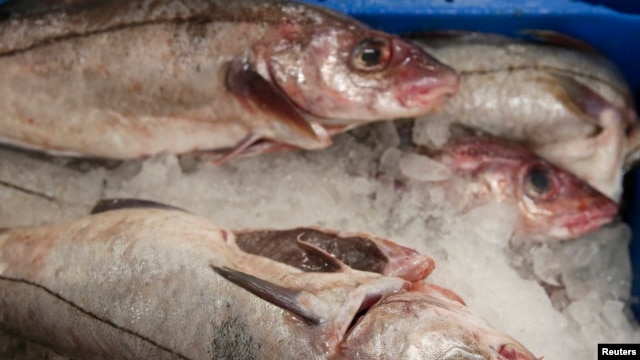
[117, 204]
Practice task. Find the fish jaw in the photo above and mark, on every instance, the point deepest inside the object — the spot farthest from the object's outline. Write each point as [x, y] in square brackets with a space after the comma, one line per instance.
[433, 325]
[320, 70]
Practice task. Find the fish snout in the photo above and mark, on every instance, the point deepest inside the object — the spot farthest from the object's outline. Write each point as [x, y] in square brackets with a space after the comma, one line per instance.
[595, 213]
[423, 81]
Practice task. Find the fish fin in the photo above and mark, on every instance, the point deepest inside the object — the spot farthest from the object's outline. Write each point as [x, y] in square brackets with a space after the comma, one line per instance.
[105, 205]
[339, 129]
[265, 146]
[239, 149]
[556, 38]
[277, 295]
[246, 84]
[258, 147]
[580, 97]
[286, 247]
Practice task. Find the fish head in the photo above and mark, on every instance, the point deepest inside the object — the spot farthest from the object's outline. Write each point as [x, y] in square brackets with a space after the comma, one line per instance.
[352, 73]
[427, 323]
[555, 199]
[553, 203]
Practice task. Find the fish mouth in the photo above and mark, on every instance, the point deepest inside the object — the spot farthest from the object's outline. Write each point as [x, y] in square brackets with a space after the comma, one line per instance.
[590, 220]
[427, 97]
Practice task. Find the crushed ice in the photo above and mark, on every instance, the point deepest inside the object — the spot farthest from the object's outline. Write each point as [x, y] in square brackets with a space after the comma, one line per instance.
[558, 299]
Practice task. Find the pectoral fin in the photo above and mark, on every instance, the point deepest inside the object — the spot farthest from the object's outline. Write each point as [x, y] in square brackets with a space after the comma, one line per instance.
[261, 96]
[251, 145]
[240, 149]
[276, 295]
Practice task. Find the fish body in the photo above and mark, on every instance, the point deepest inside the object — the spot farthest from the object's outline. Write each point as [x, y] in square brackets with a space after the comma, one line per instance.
[142, 280]
[127, 79]
[551, 202]
[569, 104]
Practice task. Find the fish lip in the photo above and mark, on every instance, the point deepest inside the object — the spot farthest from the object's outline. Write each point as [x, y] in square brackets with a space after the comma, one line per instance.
[422, 78]
[590, 220]
[425, 97]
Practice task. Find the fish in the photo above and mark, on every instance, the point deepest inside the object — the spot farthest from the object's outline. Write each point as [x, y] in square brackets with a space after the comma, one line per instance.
[139, 279]
[130, 79]
[551, 203]
[563, 99]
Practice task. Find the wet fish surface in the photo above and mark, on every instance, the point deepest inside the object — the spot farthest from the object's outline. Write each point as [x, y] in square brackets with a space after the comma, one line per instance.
[564, 100]
[144, 282]
[551, 203]
[127, 79]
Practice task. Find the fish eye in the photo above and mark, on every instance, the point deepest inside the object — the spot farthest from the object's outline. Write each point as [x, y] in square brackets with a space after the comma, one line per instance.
[539, 183]
[371, 54]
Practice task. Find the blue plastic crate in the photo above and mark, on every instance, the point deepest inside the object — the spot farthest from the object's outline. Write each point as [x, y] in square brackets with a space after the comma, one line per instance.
[612, 26]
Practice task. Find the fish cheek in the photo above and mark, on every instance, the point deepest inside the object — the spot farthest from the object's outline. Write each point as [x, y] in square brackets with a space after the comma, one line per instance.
[318, 78]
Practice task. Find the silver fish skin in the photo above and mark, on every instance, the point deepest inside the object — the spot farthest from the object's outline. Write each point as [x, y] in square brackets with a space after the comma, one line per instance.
[127, 79]
[570, 104]
[143, 280]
